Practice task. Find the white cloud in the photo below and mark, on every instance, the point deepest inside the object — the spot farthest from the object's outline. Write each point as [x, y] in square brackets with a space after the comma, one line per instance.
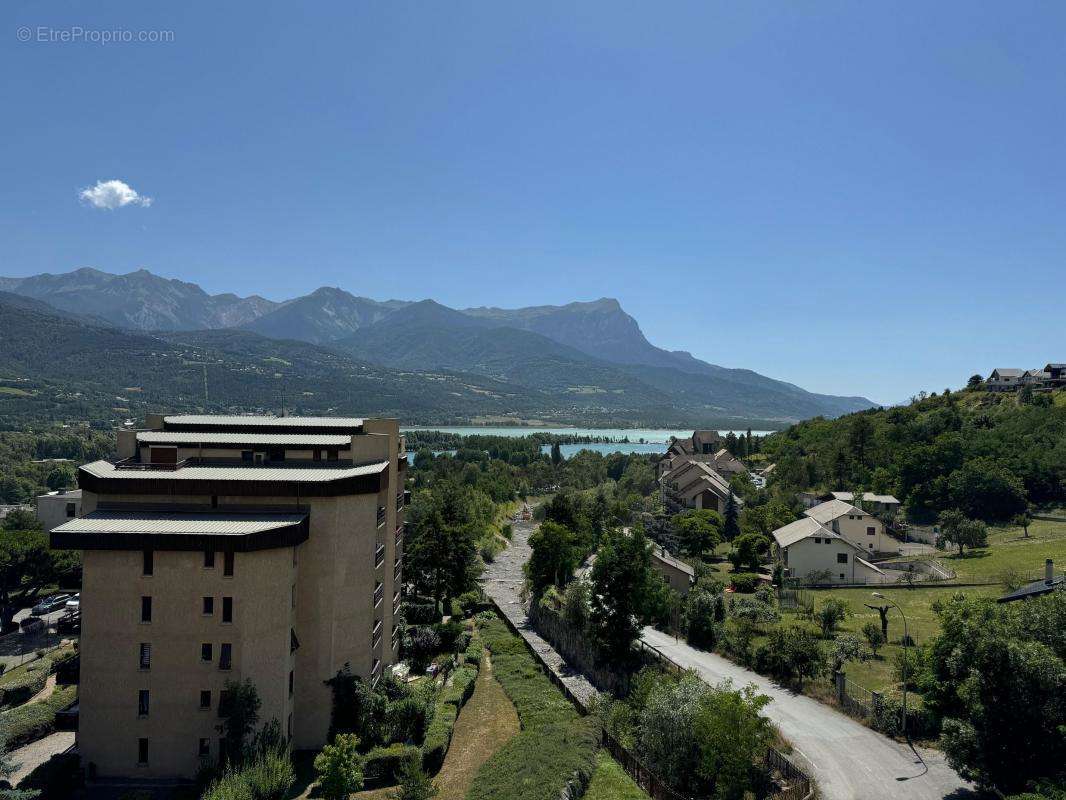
[113, 194]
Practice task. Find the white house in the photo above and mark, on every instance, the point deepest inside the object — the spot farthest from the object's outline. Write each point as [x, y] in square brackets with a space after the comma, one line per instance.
[55, 508]
[807, 548]
[859, 527]
[870, 501]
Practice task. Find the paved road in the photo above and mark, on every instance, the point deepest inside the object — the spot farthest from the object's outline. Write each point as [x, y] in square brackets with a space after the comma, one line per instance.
[850, 761]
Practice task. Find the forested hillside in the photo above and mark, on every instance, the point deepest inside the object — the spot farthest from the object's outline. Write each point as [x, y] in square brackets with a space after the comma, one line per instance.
[984, 453]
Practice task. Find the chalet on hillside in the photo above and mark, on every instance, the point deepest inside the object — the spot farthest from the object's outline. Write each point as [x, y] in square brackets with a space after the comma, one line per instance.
[1004, 379]
[695, 485]
[859, 527]
[808, 549]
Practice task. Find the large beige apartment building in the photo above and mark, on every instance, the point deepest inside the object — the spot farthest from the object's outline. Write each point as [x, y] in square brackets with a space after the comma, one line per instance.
[231, 547]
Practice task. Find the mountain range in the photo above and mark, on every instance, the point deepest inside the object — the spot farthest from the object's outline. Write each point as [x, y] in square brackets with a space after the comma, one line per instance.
[580, 362]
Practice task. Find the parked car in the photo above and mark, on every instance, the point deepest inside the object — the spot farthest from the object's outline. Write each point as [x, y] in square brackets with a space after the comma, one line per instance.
[73, 605]
[69, 622]
[32, 625]
[49, 604]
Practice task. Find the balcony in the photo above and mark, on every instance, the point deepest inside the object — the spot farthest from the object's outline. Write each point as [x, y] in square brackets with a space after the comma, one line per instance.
[399, 534]
[399, 501]
[395, 604]
[379, 594]
[379, 556]
[375, 635]
[381, 516]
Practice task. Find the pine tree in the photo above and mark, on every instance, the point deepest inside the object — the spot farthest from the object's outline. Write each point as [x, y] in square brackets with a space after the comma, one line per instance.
[732, 522]
[557, 454]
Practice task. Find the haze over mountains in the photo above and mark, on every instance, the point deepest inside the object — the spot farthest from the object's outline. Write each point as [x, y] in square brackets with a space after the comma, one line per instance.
[577, 361]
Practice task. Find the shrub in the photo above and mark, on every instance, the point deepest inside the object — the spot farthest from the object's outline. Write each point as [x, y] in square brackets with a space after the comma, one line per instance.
[18, 687]
[469, 601]
[462, 686]
[474, 651]
[888, 716]
[28, 723]
[414, 783]
[438, 736]
[744, 582]
[791, 654]
[424, 642]
[269, 775]
[385, 765]
[420, 613]
[405, 720]
[831, 615]
[340, 768]
[448, 633]
[702, 630]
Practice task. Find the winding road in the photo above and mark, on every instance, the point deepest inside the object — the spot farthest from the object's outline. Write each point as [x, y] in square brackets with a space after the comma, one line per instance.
[850, 761]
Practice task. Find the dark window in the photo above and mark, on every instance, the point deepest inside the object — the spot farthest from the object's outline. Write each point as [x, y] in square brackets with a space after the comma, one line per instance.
[146, 609]
[227, 609]
[205, 748]
[292, 677]
[214, 501]
[146, 655]
[246, 455]
[205, 651]
[289, 726]
[871, 531]
[142, 703]
[209, 605]
[223, 702]
[225, 656]
[205, 698]
[147, 562]
[294, 643]
[71, 511]
[209, 558]
[817, 540]
[142, 751]
[842, 558]
[227, 563]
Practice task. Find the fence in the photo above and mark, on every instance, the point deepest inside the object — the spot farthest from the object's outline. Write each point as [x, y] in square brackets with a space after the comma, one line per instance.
[853, 698]
[791, 598]
[641, 775]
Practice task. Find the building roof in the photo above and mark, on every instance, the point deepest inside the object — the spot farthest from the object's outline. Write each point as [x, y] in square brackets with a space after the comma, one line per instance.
[241, 420]
[69, 494]
[802, 529]
[868, 497]
[662, 555]
[1054, 366]
[1034, 589]
[1008, 372]
[303, 474]
[831, 510]
[121, 530]
[266, 439]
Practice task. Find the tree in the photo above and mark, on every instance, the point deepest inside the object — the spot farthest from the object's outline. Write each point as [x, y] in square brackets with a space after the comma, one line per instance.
[702, 623]
[731, 524]
[748, 551]
[733, 737]
[975, 382]
[620, 580]
[576, 604]
[445, 525]
[556, 454]
[340, 768]
[874, 637]
[985, 488]
[847, 647]
[61, 477]
[414, 783]
[957, 530]
[554, 557]
[698, 531]
[831, 614]
[239, 710]
[882, 612]
[791, 654]
[20, 519]
[997, 678]
[424, 643]
[1023, 521]
[860, 439]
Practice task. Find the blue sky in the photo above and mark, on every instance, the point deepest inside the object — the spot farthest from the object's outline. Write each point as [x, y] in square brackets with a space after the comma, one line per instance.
[859, 198]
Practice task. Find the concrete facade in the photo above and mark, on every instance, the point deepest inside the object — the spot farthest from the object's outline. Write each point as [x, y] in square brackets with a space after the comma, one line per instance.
[302, 600]
[55, 508]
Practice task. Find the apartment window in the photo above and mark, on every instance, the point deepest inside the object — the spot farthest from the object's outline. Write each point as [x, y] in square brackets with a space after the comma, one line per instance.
[227, 564]
[292, 680]
[294, 643]
[142, 703]
[225, 656]
[246, 456]
[204, 750]
[214, 501]
[146, 655]
[381, 516]
[209, 559]
[147, 562]
[71, 510]
[379, 593]
[870, 531]
[293, 595]
[208, 605]
[146, 609]
[205, 698]
[288, 727]
[205, 651]
[142, 750]
[842, 558]
[227, 609]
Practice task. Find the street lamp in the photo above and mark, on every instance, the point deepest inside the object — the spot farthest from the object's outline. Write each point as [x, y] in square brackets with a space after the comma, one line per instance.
[906, 643]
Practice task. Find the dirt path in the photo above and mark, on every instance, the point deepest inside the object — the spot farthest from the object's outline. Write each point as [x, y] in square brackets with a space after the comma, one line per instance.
[485, 724]
[46, 692]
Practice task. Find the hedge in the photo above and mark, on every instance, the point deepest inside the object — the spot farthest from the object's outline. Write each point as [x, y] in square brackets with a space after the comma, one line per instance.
[535, 697]
[383, 766]
[19, 687]
[33, 721]
[474, 651]
[537, 764]
[462, 686]
[744, 582]
[438, 737]
[420, 613]
[555, 747]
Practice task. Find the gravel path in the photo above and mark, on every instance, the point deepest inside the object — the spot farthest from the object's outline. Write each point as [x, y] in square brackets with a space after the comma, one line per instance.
[850, 761]
[31, 756]
[502, 581]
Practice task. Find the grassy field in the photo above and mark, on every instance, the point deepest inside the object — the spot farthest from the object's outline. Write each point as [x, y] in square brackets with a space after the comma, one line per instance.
[1008, 550]
[611, 782]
